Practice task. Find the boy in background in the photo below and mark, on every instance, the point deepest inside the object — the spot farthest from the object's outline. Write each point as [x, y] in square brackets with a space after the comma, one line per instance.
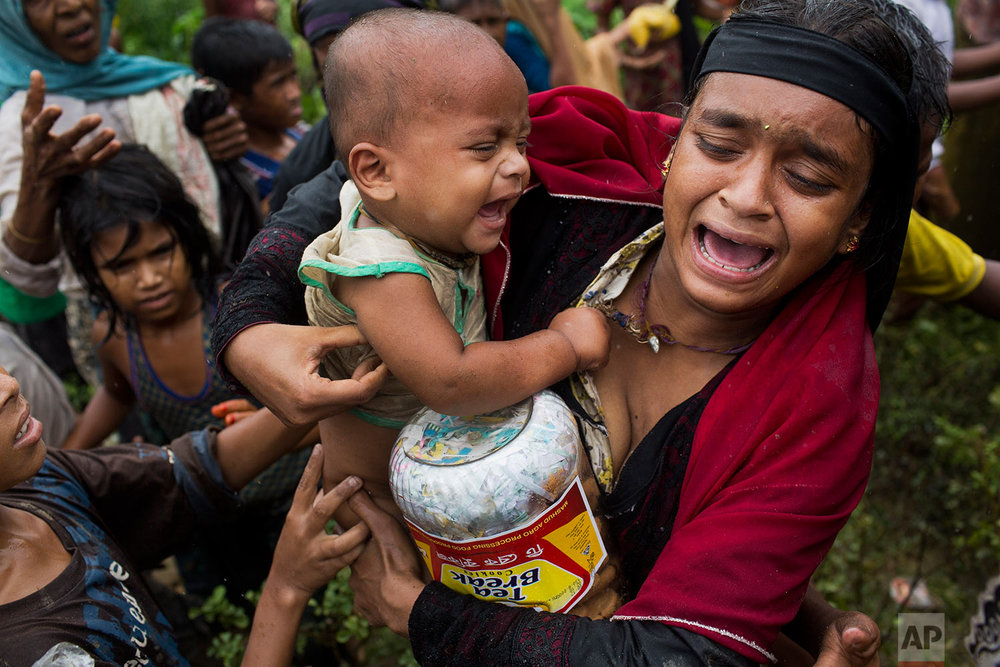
[255, 62]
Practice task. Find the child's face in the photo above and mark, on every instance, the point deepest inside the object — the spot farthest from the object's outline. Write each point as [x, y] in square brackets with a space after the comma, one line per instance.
[275, 101]
[151, 279]
[457, 171]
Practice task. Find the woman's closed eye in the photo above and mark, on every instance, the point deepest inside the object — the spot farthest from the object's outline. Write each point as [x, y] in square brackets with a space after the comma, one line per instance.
[805, 184]
[715, 150]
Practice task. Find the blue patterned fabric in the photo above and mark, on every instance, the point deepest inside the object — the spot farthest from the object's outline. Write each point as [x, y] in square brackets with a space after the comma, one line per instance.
[116, 511]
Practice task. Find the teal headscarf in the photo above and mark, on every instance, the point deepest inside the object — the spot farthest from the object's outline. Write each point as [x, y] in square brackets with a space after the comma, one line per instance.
[111, 74]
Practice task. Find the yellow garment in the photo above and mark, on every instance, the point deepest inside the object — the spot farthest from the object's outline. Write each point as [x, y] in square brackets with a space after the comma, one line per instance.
[653, 21]
[936, 263]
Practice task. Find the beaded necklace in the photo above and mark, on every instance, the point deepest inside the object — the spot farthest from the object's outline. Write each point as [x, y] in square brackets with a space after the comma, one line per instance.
[654, 335]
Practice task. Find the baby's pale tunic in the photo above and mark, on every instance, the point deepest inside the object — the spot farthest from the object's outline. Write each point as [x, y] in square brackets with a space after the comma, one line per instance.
[348, 251]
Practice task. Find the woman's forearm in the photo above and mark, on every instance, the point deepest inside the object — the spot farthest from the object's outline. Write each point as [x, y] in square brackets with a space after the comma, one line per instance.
[30, 233]
[443, 624]
[974, 59]
[974, 93]
[264, 288]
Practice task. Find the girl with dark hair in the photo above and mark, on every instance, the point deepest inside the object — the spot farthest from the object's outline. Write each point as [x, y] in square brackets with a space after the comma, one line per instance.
[137, 242]
[66, 100]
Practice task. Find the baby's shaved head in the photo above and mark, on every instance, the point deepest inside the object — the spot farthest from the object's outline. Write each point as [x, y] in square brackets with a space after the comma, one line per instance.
[393, 66]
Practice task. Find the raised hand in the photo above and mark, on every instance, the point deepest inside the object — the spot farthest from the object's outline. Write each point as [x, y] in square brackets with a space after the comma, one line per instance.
[48, 158]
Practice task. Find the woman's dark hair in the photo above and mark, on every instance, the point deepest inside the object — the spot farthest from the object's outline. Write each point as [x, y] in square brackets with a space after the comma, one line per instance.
[237, 51]
[129, 189]
[931, 69]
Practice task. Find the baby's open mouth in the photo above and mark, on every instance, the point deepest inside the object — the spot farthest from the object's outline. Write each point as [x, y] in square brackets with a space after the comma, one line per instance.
[493, 210]
[729, 254]
[498, 208]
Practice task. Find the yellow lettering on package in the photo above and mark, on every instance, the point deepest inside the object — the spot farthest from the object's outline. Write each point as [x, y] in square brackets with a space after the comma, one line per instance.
[534, 584]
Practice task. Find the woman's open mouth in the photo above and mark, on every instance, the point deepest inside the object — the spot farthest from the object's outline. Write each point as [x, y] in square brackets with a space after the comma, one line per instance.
[730, 255]
[80, 32]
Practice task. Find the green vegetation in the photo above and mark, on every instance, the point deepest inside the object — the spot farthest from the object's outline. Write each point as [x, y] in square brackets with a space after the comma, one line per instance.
[932, 509]
[161, 29]
[330, 634]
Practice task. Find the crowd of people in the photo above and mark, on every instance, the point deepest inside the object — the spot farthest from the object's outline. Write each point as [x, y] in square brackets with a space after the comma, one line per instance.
[682, 233]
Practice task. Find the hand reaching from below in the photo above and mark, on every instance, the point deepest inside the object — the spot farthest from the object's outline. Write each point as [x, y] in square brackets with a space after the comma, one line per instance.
[306, 558]
[387, 576]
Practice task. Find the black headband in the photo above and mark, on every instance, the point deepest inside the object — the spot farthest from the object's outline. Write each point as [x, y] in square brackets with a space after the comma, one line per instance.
[812, 60]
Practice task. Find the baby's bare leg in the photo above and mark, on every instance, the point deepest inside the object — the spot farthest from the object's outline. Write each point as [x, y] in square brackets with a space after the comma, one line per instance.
[352, 446]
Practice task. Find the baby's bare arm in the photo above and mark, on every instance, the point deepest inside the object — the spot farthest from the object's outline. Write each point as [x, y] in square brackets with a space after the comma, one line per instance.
[401, 318]
[587, 331]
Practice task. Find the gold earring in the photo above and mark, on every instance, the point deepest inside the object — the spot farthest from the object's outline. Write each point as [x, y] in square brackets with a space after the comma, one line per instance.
[852, 243]
[665, 169]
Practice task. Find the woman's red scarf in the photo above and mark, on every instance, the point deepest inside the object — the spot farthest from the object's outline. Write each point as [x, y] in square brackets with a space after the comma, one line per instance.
[782, 452]
[584, 142]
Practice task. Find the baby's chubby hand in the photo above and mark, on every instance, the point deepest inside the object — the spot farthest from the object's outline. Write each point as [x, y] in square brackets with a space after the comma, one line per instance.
[587, 331]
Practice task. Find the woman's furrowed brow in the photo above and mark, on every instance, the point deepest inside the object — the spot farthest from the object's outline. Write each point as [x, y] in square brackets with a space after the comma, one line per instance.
[724, 118]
